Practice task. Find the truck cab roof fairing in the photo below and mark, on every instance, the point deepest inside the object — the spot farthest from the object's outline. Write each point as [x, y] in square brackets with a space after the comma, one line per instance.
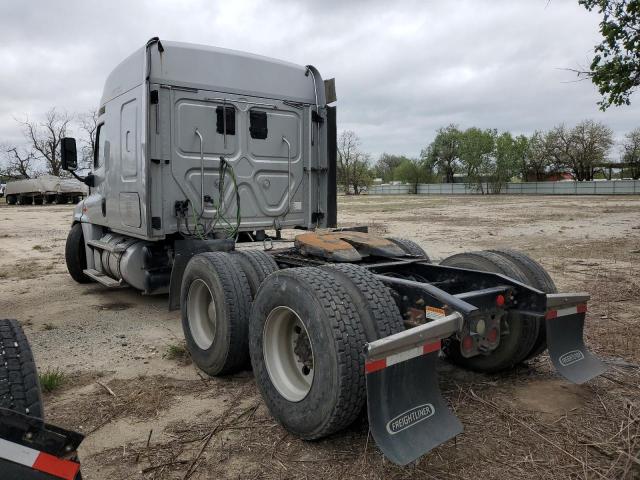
[216, 69]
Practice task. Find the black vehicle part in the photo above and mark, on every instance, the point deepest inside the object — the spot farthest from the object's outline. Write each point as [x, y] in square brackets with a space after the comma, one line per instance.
[411, 247]
[520, 331]
[34, 450]
[26, 200]
[333, 330]
[38, 200]
[332, 156]
[11, 199]
[215, 299]
[257, 265]
[19, 384]
[75, 255]
[378, 311]
[538, 278]
[407, 414]
[565, 324]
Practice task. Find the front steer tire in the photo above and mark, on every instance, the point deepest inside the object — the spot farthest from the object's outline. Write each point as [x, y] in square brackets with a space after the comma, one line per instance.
[75, 254]
[19, 384]
[336, 395]
[215, 299]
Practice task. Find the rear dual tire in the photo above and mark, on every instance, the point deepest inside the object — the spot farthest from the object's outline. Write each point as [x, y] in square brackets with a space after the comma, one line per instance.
[337, 310]
[527, 335]
[216, 294]
[514, 346]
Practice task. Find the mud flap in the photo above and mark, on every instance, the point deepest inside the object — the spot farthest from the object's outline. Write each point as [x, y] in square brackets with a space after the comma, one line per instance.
[407, 414]
[567, 350]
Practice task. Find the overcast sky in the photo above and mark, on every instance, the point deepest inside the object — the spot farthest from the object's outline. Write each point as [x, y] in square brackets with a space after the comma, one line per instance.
[402, 69]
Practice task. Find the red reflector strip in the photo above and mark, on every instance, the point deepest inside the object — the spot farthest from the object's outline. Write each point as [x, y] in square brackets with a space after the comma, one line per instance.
[375, 365]
[55, 466]
[43, 462]
[563, 312]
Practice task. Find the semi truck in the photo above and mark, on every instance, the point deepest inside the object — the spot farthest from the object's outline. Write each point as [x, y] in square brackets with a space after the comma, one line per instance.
[205, 155]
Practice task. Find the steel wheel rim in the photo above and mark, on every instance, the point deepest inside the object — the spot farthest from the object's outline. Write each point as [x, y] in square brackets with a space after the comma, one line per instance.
[284, 338]
[201, 314]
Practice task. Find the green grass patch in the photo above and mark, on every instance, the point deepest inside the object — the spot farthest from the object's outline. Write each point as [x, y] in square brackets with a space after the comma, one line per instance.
[178, 352]
[51, 380]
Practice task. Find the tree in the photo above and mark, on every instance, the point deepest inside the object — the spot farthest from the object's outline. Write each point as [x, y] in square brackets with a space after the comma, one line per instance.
[19, 162]
[540, 157]
[476, 151]
[615, 68]
[631, 152]
[581, 148]
[413, 172]
[522, 156]
[45, 137]
[353, 164]
[88, 125]
[443, 154]
[386, 165]
[507, 160]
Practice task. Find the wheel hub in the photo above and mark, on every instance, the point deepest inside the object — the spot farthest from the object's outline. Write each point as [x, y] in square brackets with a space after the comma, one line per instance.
[288, 353]
[201, 314]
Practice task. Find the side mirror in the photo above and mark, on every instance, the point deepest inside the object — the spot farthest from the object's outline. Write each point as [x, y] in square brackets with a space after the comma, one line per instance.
[68, 153]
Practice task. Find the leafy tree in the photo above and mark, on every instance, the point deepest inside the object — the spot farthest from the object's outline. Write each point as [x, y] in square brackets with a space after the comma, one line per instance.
[443, 154]
[386, 165]
[540, 157]
[615, 68]
[509, 152]
[580, 148]
[631, 152]
[413, 172]
[476, 155]
[354, 171]
[522, 155]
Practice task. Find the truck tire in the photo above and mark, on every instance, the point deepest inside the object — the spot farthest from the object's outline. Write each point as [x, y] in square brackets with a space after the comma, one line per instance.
[38, 200]
[19, 384]
[11, 199]
[61, 199]
[49, 199]
[75, 254]
[378, 311]
[24, 200]
[410, 247]
[215, 300]
[538, 278]
[523, 331]
[306, 341]
[257, 265]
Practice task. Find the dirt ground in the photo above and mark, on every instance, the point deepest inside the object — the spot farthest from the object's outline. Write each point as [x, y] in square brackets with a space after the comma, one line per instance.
[148, 415]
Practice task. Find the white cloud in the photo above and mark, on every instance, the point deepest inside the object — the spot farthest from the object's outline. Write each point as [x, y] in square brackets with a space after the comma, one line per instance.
[402, 69]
